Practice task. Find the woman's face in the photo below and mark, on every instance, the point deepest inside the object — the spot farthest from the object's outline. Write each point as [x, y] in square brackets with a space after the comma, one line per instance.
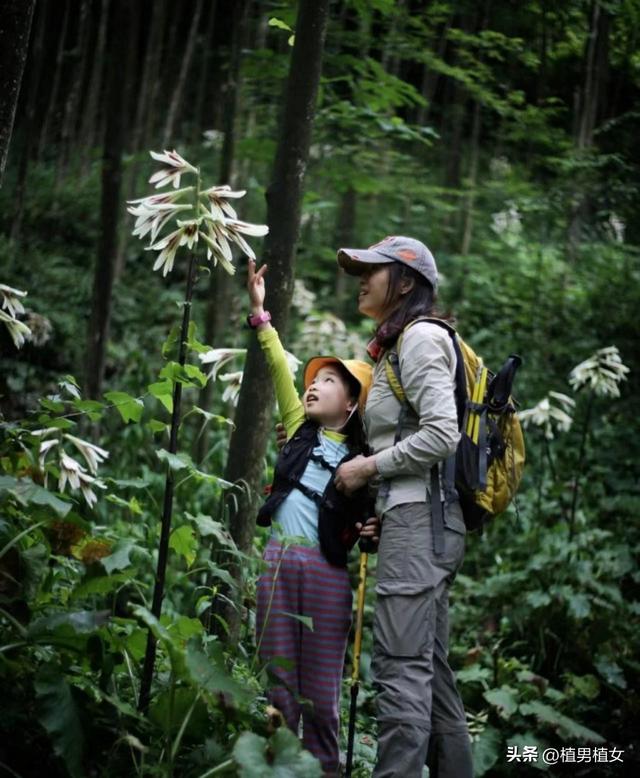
[374, 285]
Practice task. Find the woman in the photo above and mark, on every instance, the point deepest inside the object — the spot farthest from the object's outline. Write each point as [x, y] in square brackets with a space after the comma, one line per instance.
[420, 714]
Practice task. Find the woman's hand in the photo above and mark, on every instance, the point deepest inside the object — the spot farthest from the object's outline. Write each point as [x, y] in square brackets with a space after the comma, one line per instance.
[355, 473]
[256, 287]
[370, 530]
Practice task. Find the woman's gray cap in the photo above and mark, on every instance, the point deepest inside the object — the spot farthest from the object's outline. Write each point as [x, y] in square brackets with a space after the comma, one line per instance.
[395, 248]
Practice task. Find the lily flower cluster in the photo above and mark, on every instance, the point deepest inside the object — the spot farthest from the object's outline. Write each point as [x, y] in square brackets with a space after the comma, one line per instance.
[603, 372]
[212, 221]
[10, 308]
[71, 471]
[552, 412]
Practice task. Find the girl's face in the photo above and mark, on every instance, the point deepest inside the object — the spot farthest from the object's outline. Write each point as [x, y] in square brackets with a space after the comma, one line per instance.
[374, 286]
[327, 399]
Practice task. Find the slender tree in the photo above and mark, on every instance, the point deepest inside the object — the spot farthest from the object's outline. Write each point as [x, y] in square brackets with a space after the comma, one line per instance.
[15, 26]
[110, 207]
[284, 202]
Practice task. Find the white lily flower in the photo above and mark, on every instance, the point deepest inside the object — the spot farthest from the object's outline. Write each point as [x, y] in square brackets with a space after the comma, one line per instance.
[218, 357]
[94, 455]
[602, 371]
[218, 196]
[154, 212]
[232, 390]
[233, 229]
[86, 482]
[70, 470]
[177, 165]
[186, 234]
[18, 330]
[11, 300]
[218, 250]
[44, 449]
[549, 416]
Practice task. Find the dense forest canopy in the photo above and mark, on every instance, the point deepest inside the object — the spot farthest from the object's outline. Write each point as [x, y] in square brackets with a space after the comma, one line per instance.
[503, 135]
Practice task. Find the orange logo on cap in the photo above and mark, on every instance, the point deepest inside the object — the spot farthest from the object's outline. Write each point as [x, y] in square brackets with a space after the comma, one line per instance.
[408, 255]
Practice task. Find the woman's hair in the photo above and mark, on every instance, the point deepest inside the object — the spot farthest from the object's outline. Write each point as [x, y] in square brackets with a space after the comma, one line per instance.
[354, 429]
[419, 301]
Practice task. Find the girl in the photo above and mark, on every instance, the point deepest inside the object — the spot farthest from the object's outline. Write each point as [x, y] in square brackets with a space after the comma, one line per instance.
[420, 714]
[310, 578]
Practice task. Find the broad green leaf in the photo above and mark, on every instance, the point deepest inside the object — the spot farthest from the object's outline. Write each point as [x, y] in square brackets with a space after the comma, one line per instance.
[474, 674]
[79, 622]
[184, 627]
[61, 717]
[191, 375]
[503, 699]
[222, 575]
[175, 461]
[168, 711]
[208, 526]
[567, 727]
[611, 672]
[157, 426]
[519, 741]
[281, 756]
[92, 408]
[163, 391]
[119, 559]
[208, 671]
[486, 749]
[101, 584]
[130, 408]
[184, 542]
[132, 505]
[27, 492]
[171, 645]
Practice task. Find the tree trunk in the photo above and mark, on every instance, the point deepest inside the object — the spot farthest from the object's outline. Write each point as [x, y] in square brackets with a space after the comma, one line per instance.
[150, 82]
[203, 78]
[80, 60]
[55, 84]
[111, 205]
[33, 84]
[245, 464]
[88, 129]
[345, 233]
[178, 92]
[589, 106]
[220, 286]
[471, 196]
[15, 27]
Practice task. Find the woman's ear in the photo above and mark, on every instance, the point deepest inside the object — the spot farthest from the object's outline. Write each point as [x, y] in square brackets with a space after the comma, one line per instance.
[406, 285]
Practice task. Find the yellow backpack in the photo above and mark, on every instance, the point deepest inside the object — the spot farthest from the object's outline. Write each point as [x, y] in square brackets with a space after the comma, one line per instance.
[487, 467]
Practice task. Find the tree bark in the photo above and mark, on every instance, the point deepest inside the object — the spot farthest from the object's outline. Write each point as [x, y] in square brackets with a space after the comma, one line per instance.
[220, 283]
[345, 233]
[88, 129]
[15, 27]
[178, 92]
[33, 84]
[55, 84]
[245, 464]
[111, 205]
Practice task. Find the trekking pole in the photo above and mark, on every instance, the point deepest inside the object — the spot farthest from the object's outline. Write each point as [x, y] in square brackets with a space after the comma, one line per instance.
[355, 672]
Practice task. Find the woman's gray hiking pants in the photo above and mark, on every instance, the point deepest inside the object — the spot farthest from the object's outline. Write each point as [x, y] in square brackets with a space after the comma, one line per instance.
[419, 711]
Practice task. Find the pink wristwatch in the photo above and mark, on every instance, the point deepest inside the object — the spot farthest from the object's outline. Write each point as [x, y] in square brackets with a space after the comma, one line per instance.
[253, 320]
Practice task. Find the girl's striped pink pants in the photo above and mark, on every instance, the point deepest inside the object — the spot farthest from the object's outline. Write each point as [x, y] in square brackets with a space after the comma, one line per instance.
[300, 581]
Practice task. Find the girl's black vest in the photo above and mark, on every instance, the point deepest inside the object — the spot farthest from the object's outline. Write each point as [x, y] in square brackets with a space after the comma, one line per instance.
[337, 512]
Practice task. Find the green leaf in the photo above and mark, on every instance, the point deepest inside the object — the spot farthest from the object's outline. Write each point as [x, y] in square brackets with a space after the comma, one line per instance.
[281, 756]
[26, 492]
[130, 408]
[208, 526]
[192, 343]
[579, 606]
[172, 338]
[611, 672]
[275, 22]
[222, 575]
[566, 727]
[163, 391]
[172, 645]
[191, 375]
[132, 505]
[175, 461]
[307, 621]
[92, 408]
[78, 622]
[184, 542]
[503, 699]
[208, 671]
[474, 674]
[157, 426]
[185, 628]
[119, 558]
[519, 741]
[169, 710]
[101, 584]
[486, 750]
[61, 717]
